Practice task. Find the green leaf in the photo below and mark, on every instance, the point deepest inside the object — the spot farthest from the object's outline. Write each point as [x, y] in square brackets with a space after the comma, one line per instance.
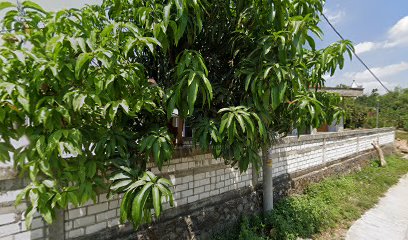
[311, 42]
[156, 201]
[138, 204]
[33, 5]
[78, 102]
[47, 215]
[20, 56]
[9, 87]
[191, 77]
[156, 154]
[91, 169]
[241, 122]
[166, 13]
[208, 86]
[74, 43]
[136, 185]
[73, 198]
[164, 181]
[249, 122]
[120, 184]
[223, 123]
[124, 106]
[82, 61]
[113, 110]
[275, 96]
[119, 176]
[2, 115]
[248, 80]
[181, 28]
[40, 146]
[150, 42]
[82, 44]
[192, 96]
[49, 183]
[129, 46]
[21, 195]
[4, 5]
[29, 213]
[125, 206]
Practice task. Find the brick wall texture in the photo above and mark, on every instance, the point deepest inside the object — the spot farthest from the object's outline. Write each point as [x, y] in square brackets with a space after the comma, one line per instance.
[198, 178]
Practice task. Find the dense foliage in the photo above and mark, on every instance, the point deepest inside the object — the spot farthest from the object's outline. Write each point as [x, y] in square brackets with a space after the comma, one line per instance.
[393, 110]
[93, 90]
[334, 202]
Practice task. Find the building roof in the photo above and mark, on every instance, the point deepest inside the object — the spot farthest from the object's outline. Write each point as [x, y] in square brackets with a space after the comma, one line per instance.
[345, 92]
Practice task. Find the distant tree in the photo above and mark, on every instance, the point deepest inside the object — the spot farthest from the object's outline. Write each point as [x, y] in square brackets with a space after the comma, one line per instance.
[356, 115]
[393, 109]
[75, 82]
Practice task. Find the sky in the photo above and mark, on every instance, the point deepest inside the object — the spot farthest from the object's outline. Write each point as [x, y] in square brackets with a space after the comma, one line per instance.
[377, 28]
[379, 32]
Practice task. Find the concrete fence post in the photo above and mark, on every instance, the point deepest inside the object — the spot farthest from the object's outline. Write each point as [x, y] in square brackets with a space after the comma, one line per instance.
[324, 150]
[358, 144]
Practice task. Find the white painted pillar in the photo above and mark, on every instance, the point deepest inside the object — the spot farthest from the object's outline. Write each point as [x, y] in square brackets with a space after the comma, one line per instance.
[267, 180]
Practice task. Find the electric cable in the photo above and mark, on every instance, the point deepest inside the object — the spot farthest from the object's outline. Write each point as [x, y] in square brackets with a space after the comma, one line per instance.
[355, 54]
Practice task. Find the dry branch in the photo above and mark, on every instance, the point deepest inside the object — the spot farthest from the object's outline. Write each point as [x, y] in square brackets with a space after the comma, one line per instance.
[380, 153]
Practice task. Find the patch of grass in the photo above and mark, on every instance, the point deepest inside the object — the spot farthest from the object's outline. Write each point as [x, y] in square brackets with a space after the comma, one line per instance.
[326, 205]
[402, 135]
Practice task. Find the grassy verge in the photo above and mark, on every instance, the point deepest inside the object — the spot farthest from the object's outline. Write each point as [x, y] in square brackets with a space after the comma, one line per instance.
[325, 206]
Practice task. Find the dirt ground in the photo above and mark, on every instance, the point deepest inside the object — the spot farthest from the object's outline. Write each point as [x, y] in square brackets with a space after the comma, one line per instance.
[402, 145]
[333, 234]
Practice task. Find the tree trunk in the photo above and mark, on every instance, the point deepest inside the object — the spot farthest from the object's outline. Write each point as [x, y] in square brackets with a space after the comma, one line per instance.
[377, 147]
[57, 228]
[180, 128]
[267, 180]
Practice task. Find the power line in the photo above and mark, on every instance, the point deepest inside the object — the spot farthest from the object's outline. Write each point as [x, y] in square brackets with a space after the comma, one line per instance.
[355, 54]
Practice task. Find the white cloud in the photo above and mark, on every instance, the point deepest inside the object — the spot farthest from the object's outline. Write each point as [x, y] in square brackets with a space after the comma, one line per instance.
[397, 36]
[369, 86]
[366, 47]
[381, 72]
[388, 74]
[333, 16]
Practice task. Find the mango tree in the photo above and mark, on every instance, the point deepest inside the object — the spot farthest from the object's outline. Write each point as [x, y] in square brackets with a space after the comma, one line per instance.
[93, 90]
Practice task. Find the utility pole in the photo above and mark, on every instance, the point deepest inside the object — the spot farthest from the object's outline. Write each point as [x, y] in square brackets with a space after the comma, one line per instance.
[378, 113]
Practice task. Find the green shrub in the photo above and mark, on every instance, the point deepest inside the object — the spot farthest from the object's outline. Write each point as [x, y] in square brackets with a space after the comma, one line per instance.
[298, 216]
[250, 228]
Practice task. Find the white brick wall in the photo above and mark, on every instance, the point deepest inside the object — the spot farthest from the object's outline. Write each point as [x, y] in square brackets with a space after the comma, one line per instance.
[199, 177]
[206, 177]
[92, 218]
[299, 154]
[12, 227]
